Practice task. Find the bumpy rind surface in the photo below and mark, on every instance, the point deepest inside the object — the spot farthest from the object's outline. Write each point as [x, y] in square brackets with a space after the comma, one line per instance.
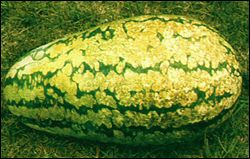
[143, 80]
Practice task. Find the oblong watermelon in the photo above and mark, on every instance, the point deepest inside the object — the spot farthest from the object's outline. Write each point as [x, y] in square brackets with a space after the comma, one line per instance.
[143, 80]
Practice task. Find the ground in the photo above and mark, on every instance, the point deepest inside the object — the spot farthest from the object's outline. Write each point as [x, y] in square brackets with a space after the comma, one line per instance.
[27, 25]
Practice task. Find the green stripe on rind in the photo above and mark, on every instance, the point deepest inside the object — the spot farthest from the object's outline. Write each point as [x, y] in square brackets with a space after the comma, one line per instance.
[67, 40]
[131, 135]
[220, 67]
[105, 69]
[60, 113]
[82, 110]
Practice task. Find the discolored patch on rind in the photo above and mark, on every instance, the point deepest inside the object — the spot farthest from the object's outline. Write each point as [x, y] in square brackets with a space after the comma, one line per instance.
[165, 71]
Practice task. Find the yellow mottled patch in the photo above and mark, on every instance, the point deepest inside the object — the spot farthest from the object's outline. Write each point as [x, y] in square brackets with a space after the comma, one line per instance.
[97, 66]
[15, 93]
[101, 117]
[99, 81]
[132, 80]
[209, 92]
[10, 93]
[117, 118]
[192, 63]
[12, 72]
[63, 83]
[85, 81]
[76, 57]
[120, 67]
[164, 67]
[67, 70]
[81, 69]
[202, 109]
[123, 96]
[187, 98]
[86, 100]
[51, 92]
[186, 31]
[159, 82]
[175, 75]
[57, 50]
[104, 99]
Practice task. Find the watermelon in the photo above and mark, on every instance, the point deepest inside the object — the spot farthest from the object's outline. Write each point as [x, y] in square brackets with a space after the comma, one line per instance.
[142, 80]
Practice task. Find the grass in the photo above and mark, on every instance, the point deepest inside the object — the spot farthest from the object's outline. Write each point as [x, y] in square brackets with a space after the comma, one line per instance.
[27, 25]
